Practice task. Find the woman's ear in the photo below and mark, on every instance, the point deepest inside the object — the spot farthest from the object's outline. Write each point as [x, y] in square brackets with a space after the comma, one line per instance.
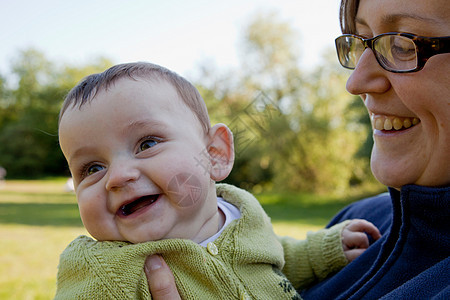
[221, 151]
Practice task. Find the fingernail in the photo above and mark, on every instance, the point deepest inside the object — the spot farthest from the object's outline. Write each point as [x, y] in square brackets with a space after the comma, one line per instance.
[154, 262]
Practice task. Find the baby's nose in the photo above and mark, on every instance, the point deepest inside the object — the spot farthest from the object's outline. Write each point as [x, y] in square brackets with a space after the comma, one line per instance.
[120, 174]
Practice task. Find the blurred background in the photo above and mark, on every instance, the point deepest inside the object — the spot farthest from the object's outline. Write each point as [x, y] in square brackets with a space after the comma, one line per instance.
[266, 68]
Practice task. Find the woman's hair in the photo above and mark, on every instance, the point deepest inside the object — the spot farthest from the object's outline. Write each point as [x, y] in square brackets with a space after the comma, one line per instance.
[347, 15]
[87, 88]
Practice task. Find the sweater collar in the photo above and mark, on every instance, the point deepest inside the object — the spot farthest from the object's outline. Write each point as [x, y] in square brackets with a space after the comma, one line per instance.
[424, 211]
[422, 201]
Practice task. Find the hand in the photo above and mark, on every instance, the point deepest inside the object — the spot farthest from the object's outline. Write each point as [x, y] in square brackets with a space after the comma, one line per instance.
[160, 279]
[354, 238]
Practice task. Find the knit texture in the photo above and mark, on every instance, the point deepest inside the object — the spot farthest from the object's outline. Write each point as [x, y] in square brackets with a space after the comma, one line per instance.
[249, 261]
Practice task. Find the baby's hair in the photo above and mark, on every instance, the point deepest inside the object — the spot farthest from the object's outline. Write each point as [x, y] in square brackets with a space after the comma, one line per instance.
[87, 88]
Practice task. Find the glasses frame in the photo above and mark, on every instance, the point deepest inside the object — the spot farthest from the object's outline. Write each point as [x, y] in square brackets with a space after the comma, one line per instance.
[426, 47]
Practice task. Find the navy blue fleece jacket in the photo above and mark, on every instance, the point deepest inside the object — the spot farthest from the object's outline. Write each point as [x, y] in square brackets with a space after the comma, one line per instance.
[410, 261]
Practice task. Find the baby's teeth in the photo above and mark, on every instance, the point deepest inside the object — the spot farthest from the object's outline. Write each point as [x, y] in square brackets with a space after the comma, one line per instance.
[415, 121]
[407, 123]
[387, 124]
[397, 124]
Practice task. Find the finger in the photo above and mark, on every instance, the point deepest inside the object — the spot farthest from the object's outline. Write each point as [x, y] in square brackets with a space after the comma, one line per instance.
[352, 254]
[353, 240]
[365, 226]
[160, 279]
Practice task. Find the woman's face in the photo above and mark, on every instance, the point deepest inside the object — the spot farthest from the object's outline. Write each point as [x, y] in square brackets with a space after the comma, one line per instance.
[411, 154]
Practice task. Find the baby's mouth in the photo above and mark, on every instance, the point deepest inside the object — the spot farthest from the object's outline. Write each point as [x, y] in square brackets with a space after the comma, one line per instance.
[132, 207]
[380, 122]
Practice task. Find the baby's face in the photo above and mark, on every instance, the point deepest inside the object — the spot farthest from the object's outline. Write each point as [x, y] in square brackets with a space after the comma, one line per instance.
[138, 159]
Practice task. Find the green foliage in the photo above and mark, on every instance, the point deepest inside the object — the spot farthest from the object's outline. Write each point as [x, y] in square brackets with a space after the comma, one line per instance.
[29, 114]
[293, 129]
[305, 132]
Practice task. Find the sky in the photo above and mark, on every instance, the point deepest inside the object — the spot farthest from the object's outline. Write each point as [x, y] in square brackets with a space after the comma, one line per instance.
[179, 35]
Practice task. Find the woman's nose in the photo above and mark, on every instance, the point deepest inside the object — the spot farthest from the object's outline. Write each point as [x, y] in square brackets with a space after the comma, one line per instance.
[368, 76]
[120, 174]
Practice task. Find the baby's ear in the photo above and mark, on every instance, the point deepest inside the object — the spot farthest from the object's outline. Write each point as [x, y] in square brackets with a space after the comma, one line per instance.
[221, 151]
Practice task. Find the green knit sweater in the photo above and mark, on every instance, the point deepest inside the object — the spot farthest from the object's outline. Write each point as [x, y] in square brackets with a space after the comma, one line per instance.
[247, 263]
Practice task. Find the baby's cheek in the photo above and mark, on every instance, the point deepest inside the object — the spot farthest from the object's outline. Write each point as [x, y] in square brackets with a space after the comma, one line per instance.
[186, 189]
[90, 205]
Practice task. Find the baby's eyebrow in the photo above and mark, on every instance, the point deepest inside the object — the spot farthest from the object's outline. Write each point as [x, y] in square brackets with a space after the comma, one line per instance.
[150, 124]
[79, 153]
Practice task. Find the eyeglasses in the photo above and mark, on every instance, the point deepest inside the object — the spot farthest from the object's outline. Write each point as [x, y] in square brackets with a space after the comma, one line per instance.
[395, 52]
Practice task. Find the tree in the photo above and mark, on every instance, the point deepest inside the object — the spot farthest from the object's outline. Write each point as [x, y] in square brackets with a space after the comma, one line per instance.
[29, 125]
[293, 129]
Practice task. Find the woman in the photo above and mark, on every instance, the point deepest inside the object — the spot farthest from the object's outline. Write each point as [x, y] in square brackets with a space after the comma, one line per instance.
[408, 100]
[404, 82]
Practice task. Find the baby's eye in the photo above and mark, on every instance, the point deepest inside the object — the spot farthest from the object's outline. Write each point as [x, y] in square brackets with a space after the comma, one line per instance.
[93, 169]
[148, 143]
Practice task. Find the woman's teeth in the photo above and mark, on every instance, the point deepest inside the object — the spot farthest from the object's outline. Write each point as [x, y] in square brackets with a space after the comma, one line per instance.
[390, 123]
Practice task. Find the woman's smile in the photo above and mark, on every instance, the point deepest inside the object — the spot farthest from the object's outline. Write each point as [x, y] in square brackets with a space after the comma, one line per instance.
[396, 123]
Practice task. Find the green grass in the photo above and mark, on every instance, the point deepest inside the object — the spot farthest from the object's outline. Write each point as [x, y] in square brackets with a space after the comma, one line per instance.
[296, 214]
[38, 219]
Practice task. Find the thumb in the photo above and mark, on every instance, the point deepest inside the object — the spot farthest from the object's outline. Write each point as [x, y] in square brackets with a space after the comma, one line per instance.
[160, 279]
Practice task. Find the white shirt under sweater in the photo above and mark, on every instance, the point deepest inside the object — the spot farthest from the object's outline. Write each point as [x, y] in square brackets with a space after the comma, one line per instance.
[231, 213]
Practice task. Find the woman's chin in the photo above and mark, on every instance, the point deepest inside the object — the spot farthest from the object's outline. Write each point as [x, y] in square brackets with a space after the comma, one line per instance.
[390, 175]
[396, 178]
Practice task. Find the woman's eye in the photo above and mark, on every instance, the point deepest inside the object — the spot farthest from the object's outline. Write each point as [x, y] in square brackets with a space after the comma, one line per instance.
[147, 144]
[93, 169]
[403, 49]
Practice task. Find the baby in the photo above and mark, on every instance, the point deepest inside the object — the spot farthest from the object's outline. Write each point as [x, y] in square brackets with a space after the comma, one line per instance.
[145, 161]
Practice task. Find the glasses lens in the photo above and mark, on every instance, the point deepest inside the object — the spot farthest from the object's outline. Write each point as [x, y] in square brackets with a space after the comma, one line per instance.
[396, 53]
[349, 50]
